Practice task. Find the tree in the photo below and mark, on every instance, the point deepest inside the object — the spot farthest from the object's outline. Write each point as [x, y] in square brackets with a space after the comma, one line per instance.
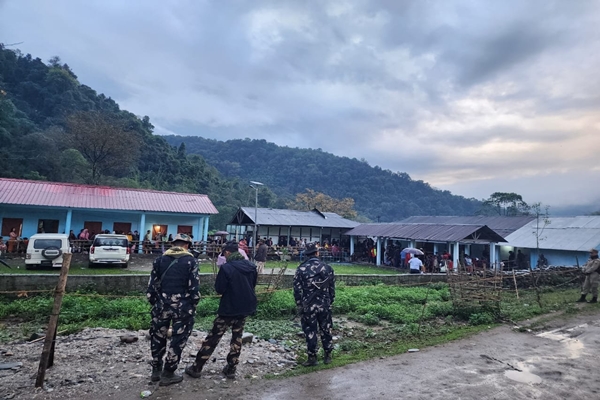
[104, 142]
[311, 199]
[500, 203]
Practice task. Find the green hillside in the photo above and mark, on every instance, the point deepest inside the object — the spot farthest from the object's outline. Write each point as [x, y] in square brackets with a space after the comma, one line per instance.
[388, 195]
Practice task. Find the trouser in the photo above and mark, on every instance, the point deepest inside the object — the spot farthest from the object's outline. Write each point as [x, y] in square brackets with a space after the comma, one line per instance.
[220, 326]
[260, 266]
[591, 284]
[309, 321]
[182, 328]
[415, 271]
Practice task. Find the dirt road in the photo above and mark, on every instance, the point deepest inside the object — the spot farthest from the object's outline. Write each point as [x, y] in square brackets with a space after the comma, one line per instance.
[498, 364]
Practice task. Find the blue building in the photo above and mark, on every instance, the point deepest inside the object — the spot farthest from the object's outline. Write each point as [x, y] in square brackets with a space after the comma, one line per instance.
[50, 207]
[563, 241]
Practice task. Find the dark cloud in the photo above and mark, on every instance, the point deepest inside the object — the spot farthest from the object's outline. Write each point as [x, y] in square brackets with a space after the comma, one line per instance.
[462, 94]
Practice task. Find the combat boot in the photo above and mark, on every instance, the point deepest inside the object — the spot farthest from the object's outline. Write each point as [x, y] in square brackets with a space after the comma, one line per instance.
[229, 371]
[594, 299]
[581, 299]
[193, 372]
[311, 362]
[156, 371]
[327, 359]
[169, 377]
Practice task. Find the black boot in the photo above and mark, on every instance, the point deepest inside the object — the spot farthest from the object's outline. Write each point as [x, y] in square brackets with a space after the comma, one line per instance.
[327, 359]
[594, 299]
[311, 362]
[229, 371]
[169, 377]
[581, 299]
[156, 371]
[193, 372]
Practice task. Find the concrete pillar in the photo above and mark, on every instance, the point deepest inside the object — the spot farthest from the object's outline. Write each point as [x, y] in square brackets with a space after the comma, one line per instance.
[435, 248]
[205, 231]
[142, 232]
[68, 221]
[413, 244]
[198, 230]
[378, 258]
[493, 256]
[455, 257]
[351, 245]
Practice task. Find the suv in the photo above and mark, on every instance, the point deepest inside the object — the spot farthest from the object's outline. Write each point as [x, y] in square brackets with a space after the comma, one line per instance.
[110, 249]
[46, 249]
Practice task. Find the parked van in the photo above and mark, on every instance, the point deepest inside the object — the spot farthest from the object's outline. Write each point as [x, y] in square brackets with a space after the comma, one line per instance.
[46, 249]
[110, 249]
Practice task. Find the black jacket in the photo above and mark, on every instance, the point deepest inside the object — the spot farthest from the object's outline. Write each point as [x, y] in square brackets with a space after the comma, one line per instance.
[236, 281]
[261, 253]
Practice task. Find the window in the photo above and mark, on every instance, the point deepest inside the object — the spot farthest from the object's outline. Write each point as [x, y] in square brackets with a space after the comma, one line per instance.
[41, 244]
[187, 229]
[47, 226]
[9, 223]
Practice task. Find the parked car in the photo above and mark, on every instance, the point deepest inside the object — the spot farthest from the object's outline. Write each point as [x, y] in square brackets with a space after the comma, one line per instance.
[110, 249]
[46, 249]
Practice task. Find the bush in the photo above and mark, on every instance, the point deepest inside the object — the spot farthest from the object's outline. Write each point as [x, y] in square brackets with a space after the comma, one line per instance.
[484, 318]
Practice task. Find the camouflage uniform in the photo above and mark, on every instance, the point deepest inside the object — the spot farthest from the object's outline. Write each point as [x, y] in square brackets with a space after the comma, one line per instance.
[314, 292]
[592, 276]
[220, 326]
[174, 301]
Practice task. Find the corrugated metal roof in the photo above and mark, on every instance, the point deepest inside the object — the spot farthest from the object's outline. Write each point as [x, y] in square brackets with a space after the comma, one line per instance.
[567, 233]
[429, 232]
[68, 195]
[277, 217]
[503, 226]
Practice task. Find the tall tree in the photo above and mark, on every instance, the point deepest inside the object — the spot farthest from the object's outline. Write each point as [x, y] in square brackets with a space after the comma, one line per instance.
[502, 203]
[104, 142]
[312, 199]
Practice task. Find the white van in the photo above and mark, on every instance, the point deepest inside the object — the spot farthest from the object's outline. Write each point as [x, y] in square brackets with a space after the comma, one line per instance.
[110, 249]
[46, 249]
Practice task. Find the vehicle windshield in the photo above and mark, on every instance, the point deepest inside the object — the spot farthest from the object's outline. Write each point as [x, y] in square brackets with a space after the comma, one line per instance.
[45, 243]
[110, 242]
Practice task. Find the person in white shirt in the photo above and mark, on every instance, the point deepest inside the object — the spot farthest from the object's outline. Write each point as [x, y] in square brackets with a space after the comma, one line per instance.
[415, 264]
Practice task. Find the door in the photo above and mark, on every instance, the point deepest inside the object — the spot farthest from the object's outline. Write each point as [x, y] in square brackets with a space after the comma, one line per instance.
[159, 231]
[93, 227]
[122, 228]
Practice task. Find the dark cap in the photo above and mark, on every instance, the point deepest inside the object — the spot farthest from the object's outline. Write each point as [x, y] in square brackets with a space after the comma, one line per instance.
[311, 248]
[231, 247]
[594, 251]
[182, 237]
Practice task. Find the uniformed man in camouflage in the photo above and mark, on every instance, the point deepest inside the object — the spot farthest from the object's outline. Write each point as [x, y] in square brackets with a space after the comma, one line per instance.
[591, 270]
[314, 292]
[235, 283]
[173, 291]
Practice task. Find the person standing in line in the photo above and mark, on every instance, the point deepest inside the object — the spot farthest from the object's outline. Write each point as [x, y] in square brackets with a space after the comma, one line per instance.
[261, 256]
[591, 270]
[314, 293]
[415, 264]
[235, 283]
[173, 292]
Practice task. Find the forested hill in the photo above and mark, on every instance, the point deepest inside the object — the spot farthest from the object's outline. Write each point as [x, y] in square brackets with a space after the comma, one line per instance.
[288, 171]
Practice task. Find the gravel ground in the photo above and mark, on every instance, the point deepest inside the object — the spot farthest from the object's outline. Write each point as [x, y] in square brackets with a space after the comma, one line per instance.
[96, 362]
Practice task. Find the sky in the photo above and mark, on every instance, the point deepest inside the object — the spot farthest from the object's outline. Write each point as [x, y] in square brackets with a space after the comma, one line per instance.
[471, 96]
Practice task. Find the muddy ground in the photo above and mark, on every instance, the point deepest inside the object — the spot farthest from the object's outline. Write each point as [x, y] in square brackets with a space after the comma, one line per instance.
[558, 362]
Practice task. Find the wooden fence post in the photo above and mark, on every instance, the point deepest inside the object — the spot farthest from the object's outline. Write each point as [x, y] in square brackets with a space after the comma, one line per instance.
[48, 351]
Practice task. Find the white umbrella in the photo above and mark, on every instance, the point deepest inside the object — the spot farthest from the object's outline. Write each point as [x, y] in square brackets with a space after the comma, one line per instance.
[413, 251]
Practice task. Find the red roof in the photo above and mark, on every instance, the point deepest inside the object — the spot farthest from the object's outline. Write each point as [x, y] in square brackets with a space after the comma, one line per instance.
[69, 195]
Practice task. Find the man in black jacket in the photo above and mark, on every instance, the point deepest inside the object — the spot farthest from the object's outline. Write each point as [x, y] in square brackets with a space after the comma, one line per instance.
[174, 293]
[235, 283]
[261, 256]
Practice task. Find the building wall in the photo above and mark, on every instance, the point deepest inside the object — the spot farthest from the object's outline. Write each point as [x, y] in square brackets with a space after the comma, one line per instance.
[554, 257]
[31, 216]
[311, 234]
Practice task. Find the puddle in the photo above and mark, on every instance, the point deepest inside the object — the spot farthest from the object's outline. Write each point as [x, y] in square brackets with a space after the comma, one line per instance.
[523, 377]
[573, 346]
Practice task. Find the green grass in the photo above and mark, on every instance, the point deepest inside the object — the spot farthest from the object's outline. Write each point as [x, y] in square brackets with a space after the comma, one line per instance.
[341, 269]
[370, 321]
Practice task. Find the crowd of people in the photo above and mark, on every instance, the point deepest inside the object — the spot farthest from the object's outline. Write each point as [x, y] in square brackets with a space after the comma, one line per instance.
[13, 244]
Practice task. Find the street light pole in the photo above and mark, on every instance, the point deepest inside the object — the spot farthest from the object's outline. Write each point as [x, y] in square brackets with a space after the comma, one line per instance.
[255, 186]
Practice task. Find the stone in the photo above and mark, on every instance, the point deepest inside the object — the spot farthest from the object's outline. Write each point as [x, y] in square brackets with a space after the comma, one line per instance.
[13, 365]
[247, 337]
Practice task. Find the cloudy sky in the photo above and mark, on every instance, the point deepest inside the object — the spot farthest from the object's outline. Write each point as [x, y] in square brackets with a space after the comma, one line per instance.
[472, 96]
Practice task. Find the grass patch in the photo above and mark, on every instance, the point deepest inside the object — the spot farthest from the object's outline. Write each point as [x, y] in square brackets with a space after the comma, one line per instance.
[83, 269]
